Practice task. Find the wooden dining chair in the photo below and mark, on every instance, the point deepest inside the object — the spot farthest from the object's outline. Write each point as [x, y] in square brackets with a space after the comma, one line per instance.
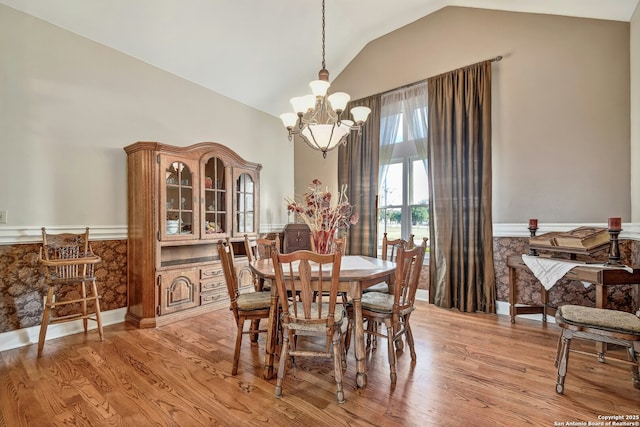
[390, 248]
[599, 325]
[260, 249]
[252, 306]
[299, 275]
[394, 309]
[70, 262]
[389, 251]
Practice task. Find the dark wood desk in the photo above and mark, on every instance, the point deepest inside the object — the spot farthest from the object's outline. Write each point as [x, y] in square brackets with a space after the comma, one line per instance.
[352, 280]
[601, 277]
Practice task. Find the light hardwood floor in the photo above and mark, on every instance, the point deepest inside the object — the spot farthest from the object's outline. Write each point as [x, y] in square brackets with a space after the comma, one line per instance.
[472, 370]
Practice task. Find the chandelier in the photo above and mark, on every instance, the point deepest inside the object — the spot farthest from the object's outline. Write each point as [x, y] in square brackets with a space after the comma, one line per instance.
[318, 116]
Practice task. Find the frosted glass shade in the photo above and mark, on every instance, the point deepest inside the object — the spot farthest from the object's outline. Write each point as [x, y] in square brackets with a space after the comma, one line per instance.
[319, 87]
[347, 123]
[339, 101]
[299, 104]
[360, 114]
[324, 137]
[289, 120]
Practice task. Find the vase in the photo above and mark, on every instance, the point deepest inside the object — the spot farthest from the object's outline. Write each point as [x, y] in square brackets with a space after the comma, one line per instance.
[323, 241]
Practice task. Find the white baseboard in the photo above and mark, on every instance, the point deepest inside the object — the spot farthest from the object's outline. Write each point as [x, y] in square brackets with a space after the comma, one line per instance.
[28, 336]
[502, 308]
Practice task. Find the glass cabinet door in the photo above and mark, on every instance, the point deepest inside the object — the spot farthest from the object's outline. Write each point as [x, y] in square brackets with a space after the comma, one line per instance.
[178, 200]
[245, 204]
[214, 222]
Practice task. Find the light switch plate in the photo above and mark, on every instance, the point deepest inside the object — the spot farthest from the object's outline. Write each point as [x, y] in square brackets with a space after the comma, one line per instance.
[3, 216]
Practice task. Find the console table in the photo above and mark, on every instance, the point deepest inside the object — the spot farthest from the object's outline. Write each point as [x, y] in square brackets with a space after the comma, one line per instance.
[601, 277]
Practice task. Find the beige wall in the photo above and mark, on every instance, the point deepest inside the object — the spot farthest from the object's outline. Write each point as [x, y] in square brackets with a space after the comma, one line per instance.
[635, 115]
[69, 105]
[561, 104]
[311, 165]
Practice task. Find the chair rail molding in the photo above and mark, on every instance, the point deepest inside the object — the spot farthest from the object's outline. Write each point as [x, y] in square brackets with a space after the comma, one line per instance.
[33, 234]
[10, 235]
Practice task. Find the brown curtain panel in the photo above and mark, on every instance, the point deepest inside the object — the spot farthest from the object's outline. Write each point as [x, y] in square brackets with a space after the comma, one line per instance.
[459, 153]
[358, 168]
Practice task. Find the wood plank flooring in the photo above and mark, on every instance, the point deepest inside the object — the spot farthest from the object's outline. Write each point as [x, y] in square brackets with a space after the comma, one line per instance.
[472, 370]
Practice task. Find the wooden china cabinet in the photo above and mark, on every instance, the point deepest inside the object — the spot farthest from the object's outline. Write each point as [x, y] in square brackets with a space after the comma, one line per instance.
[181, 201]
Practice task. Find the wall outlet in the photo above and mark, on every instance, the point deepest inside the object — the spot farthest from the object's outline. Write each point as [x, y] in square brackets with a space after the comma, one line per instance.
[3, 216]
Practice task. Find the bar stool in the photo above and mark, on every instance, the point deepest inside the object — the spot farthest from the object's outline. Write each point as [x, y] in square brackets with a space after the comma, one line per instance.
[69, 261]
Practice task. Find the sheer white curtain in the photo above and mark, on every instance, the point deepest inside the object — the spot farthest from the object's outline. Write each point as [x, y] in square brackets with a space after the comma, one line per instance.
[408, 104]
[390, 115]
[415, 107]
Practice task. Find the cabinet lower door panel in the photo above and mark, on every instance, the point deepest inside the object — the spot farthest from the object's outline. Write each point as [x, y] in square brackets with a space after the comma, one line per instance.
[179, 290]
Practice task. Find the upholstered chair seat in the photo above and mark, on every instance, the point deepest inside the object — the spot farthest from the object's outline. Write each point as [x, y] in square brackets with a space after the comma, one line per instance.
[382, 303]
[602, 326]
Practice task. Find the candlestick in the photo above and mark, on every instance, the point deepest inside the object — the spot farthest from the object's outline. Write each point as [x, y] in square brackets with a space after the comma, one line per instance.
[533, 227]
[615, 224]
[614, 248]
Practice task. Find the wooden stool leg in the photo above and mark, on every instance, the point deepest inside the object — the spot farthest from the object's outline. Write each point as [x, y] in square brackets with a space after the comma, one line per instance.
[563, 362]
[558, 350]
[255, 326]
[85, 320]
[633, 358]
[97, 306]
[45, 320]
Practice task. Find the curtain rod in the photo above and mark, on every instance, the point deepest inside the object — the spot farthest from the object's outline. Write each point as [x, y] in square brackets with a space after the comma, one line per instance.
[494, 59]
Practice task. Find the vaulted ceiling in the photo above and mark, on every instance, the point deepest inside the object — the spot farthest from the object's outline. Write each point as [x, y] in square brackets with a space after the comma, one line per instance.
[262, 52]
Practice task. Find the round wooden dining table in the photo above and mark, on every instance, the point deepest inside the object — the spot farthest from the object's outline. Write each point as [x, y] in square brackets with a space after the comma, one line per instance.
[357, 272]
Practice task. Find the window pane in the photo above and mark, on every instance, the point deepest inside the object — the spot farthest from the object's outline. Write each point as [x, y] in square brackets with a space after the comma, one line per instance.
[388, 222]
[420, 193]
[419, 219]
[391, 192]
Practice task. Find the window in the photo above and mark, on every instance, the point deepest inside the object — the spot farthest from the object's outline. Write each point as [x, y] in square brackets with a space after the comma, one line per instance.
[403, 195]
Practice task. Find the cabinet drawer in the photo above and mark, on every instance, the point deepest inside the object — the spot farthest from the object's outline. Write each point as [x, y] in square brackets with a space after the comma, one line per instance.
[211, 272]
[211, 297]
[213, 285]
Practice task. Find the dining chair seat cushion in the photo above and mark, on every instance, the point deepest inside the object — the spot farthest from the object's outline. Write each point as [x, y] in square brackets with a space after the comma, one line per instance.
[382, 287]
[340, 313]
[253, 301]
[610, 320]
[381, 303]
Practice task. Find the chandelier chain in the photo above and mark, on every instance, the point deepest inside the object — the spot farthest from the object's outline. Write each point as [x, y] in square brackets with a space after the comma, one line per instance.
[317, 118]
[323, 63]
